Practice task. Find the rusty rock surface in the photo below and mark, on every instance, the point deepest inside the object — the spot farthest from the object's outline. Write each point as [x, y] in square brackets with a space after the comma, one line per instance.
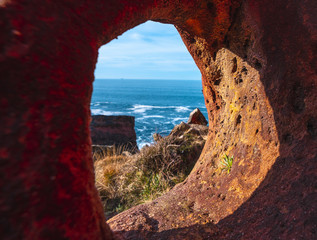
[258, 60]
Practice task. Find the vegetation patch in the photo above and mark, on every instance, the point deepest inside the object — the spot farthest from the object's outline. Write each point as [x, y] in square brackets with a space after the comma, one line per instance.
[227, 163]
[125, 180]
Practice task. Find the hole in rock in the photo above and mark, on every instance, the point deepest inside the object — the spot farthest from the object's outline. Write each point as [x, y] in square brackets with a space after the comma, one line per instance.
[145, 81]
[238, 121]
[217, 82]
[235, 65]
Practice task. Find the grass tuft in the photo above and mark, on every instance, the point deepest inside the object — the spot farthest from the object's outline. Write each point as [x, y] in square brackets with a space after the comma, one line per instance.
[227, 163]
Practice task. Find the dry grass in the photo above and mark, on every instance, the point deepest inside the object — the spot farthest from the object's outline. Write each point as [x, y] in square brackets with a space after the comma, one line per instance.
[126, 181]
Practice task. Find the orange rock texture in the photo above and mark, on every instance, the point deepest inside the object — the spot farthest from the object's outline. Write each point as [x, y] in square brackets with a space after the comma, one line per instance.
[258, 60]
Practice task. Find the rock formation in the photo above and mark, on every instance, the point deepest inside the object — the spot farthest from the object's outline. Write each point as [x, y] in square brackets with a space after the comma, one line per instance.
[258, 60]
[190, 139]
[196, 117]
[113, 130]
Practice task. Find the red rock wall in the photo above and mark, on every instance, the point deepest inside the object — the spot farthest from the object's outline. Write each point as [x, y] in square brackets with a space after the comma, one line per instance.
[258, 64]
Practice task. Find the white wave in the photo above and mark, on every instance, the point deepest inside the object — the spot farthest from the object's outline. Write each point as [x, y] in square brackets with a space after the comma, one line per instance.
[153, 116]
[138, 108]
[140, 119]
[97, 103]
[142, 129]
[182, 109]
[179, 120]
[103, 112]
[142, 144]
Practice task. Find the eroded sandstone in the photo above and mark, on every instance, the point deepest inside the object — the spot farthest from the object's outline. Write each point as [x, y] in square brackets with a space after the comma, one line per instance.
[258, 63]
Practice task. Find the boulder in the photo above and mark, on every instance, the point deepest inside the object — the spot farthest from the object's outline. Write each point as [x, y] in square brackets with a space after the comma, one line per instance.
[113, 130]
[196, 117]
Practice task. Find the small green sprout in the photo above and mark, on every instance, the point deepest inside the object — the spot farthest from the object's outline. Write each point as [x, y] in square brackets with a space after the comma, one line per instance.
[227, 163]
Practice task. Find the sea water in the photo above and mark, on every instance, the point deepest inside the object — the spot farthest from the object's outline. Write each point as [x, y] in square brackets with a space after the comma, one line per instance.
[157, 105]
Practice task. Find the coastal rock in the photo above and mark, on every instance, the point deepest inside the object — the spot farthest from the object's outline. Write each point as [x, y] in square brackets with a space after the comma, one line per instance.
[194, 129]
[113, 130]
[191, 139]
[179, 129]
[196, 117]
[258, 61]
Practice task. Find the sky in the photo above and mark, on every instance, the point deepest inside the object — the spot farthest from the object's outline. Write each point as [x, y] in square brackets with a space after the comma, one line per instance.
[149, 51]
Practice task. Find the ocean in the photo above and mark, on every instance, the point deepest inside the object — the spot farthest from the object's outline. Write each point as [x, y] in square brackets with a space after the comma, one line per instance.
[157, 105]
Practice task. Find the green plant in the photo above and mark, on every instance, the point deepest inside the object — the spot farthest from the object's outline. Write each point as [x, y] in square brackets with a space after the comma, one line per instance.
[154, 186]
[227, 163]
[119, 208]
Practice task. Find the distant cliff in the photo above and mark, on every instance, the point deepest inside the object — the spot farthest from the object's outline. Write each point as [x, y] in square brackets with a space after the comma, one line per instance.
[113, 130]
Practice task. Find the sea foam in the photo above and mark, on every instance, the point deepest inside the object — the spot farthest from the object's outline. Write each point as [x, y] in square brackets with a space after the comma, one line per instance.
[103, 112]
[137, 108]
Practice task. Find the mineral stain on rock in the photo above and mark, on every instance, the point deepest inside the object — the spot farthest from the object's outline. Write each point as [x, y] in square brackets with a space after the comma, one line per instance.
[47, 58]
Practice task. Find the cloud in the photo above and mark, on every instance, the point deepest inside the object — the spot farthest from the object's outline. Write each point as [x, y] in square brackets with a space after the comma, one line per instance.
[149, 50]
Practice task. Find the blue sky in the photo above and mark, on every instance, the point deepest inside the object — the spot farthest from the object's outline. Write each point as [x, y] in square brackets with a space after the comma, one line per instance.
[149, 51]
